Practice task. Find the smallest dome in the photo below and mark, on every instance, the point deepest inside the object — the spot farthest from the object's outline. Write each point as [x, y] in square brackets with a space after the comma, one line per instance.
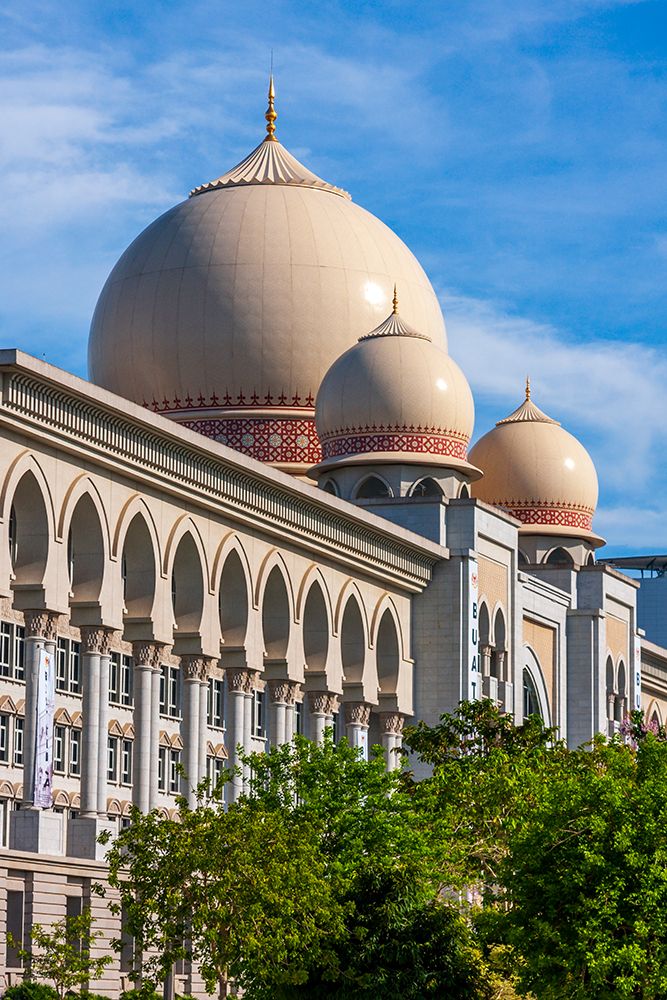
[395, 397]
[538, 472]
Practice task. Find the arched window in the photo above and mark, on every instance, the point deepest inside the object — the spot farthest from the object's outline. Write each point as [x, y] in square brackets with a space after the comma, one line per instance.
[465, 492]
[426, 488]
[591, 559]
[330, 487]
[373, 488]
[621, 700]
[531, 702]
[559, 557]
[522, 560]
[611, 690]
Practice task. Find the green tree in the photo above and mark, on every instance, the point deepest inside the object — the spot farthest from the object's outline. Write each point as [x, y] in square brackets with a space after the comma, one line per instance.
[404, 935]
[241, 891]
[61, 953]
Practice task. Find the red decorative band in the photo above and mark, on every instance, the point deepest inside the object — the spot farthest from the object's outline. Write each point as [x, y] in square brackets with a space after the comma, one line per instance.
[405, 441]
[552, 514]
[279, 440]
[232, 401]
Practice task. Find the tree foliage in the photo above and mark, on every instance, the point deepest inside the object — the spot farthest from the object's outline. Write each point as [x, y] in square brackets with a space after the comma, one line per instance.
[61, 953]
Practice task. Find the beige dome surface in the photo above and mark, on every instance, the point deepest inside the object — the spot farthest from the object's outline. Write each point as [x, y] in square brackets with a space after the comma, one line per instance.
[538, 472]
[237, 301]
[395, 396]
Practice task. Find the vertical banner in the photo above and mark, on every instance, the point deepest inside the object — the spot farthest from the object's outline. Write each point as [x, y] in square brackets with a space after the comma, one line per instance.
[474, 675]
[43, 796]
[638, 673]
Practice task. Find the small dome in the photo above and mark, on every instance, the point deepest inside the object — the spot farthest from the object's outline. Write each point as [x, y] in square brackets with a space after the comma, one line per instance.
[395, 397]
[538, 472]
[225, 313]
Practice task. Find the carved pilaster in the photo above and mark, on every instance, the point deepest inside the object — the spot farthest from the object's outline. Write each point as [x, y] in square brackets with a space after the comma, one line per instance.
[197, 668]
[148, 654]
[42, 625]
[357, 713]
[392, 723]
[323, 703]
[96, 640]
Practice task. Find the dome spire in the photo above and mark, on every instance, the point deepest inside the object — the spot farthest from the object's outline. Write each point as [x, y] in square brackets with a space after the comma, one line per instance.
[395, 301]
[271, 114]
[527, 387]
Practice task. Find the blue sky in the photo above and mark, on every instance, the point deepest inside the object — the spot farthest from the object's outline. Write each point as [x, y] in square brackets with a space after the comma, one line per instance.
[519, 149]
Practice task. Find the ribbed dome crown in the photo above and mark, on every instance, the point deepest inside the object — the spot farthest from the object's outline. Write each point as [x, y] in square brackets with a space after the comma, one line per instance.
[538, 472]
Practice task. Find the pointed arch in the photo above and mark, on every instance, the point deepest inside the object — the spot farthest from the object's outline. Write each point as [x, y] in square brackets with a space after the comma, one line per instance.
[80, 486]
[386, 603]
[234, 584]
[135, 505]
[388, 653]
[272, 559]
[27, 462]
[316, 622]
[277, 612]
[559, 557]
[348, 587]
[371, 487]
[533, 682]
[313, 572]
[426, 487]
[353, 642]
[188, 582]
[139, 561]
[29, 517]
[232, 542]
[185, 525]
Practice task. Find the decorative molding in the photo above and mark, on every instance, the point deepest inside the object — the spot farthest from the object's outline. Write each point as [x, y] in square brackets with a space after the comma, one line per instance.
[148, 654]
[240, 681]
[279, 440]
[323, 703]
[152, 452]
[395, 438]
[233, 401]
[392, 723]
[96, 640]
[357, 713]
[284, 692]
[197, 668]
[549, 513]
[42, 625]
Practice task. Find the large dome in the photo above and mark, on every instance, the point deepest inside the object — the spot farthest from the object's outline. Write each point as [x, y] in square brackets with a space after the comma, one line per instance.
[536, 470]
[395, 397]
[228, 310]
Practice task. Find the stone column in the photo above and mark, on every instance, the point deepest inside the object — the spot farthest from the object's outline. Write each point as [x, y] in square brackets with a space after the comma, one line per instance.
[248, 697]
[92, 734]
[105, 661]
[203, 717]
[357, 719]
[238, 681]
[147, 660]
[322, 708]
[486, 652]
[195, 674]
[391, 727]
[282, 696]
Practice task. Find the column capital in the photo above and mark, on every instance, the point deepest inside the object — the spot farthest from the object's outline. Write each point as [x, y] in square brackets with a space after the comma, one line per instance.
[392, 723]
[148, 654]
[240, 681]
[357, 713]
[323, 703]
[96, 639]
[42, 625]
[196, 667]
[283, 692]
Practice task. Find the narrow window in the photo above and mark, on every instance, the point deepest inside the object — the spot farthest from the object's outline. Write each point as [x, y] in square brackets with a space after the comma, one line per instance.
[15, 923]
[61, 666]
[5, 649]
[126, 763]
[4, 738]
[18, 742]
[75, 668]
[126, 667]
[59, 745]
[112, 759]
[114, 679]
[75, 752]
[19, 652]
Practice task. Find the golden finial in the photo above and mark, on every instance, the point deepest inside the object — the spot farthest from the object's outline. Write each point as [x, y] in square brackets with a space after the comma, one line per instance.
[271, 113]
[527, 387]
[395, 302]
